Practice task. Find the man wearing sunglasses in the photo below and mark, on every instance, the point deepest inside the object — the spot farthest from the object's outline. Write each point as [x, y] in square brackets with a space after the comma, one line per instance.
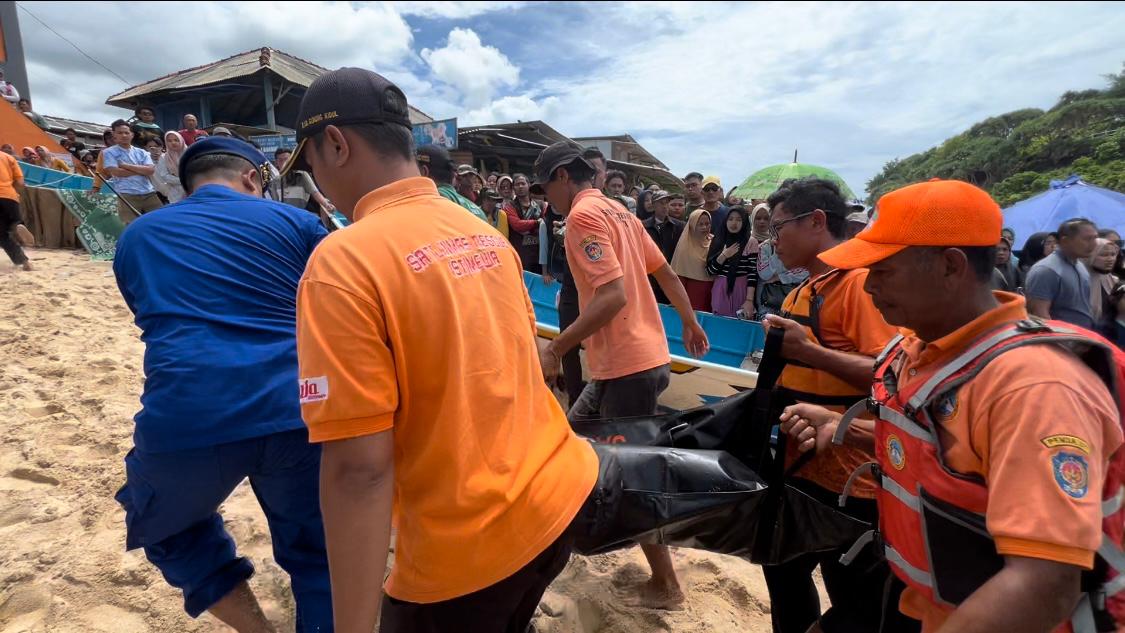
[713, 204]
[833, 332]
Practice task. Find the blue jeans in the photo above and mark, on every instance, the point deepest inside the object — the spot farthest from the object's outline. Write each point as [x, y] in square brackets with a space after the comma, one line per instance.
[171, 503]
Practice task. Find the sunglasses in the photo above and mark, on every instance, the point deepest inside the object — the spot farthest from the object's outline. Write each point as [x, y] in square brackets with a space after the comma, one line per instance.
[711, 189]
[776, 226]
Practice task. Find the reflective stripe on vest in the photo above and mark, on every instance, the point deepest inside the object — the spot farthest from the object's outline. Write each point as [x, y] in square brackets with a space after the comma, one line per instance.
[892, 346]
[964, 360]
[905, 424]
[1114, 503]
[908, 498]
[916, 575]
[1111, 553]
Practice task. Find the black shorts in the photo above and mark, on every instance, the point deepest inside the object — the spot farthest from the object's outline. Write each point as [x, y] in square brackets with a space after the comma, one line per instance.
[505, 607]
[624, 397]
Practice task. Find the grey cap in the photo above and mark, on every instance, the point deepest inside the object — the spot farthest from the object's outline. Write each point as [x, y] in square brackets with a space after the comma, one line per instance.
[221, 130]
[859, 217]
[660, 195]
[550, 159]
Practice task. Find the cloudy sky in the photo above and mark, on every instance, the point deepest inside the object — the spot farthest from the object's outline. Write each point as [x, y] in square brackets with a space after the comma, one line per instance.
[720, 88]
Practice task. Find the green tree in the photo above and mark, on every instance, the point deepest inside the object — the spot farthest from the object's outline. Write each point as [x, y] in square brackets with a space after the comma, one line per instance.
[1016, 155]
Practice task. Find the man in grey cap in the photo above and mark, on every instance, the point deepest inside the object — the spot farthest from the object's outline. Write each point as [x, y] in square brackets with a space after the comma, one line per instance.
[665, 231]
[610, 257]
[469, 182]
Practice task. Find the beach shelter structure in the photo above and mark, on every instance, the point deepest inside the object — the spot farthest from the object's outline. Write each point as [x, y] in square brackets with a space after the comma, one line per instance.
[260, 88]
[1066, 199]
[760, 184]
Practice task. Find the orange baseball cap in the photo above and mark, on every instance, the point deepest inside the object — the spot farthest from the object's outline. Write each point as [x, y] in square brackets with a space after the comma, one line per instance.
[934, 213]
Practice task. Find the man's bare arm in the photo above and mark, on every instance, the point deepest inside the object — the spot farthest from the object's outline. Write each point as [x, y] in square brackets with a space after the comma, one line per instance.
[356, 488]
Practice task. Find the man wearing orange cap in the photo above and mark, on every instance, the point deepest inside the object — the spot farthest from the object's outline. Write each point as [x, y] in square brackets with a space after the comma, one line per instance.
[993, 439]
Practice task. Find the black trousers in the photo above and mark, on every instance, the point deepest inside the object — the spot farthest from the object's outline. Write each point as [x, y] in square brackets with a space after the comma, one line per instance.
[864, 594]
[9, 218]
[505, 607]
[571, 361]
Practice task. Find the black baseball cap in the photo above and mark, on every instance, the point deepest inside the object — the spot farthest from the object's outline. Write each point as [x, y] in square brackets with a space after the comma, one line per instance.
[342, 97]
[550, 159]
[434, 155]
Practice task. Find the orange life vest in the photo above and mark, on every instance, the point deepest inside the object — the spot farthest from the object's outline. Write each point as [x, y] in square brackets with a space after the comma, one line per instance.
[932, 520]
[800, 382]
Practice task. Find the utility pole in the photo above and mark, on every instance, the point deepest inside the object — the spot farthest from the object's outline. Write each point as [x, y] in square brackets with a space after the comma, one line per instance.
[11, 48]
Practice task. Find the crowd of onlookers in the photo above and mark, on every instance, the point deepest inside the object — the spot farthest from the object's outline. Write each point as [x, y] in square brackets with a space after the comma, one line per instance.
[719, 244]
[1074, 274]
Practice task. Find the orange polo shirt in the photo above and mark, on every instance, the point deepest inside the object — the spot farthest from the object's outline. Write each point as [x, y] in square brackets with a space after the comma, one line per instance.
[1007, 425]
[415, 321]
[604, 242]
[10, 176]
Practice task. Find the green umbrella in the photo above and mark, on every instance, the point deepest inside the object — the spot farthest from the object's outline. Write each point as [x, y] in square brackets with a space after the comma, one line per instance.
[763, 182]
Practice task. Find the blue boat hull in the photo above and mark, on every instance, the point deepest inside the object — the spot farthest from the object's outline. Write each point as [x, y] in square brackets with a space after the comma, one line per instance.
[725, 369]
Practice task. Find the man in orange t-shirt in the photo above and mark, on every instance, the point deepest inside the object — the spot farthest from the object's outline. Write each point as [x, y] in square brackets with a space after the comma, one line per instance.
[832, 335]
[610, 256]
[13, 234]
[419, 372]
[930, 252]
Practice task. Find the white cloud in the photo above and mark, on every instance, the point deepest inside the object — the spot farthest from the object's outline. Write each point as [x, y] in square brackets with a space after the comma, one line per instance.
[452, 10]
[511, 109]
[722, 88]
[66, 84]
[740, 90]
[476, 70]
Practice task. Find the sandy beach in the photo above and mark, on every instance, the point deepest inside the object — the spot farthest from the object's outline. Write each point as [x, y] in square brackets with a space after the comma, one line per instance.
[69, 386]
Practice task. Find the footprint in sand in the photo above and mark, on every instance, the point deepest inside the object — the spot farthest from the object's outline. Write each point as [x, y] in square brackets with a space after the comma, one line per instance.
[110, 619]
[24, 607]
[26, 479]
[43, 410]
[14, 513]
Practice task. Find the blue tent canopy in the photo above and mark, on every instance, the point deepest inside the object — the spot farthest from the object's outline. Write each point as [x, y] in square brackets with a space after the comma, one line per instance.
[1066, 199]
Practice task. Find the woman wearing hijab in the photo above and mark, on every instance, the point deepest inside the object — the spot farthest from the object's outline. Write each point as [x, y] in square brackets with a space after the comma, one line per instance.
[167, 174]
[1037, 246]
[30, 156]
[504, 188]
[760, 223]
[50, 161]
[1102, 285]
[734, 263]
[690, 260]
[1013, 278]
[644, 205]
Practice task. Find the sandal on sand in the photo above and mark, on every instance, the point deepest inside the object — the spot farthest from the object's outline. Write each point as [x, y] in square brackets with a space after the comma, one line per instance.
[24, 236]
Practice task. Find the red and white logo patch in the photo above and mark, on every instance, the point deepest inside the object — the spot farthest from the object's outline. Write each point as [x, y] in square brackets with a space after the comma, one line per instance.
[314, 389]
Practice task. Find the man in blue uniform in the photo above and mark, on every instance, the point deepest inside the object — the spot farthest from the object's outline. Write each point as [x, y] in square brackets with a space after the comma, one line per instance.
[212, 282]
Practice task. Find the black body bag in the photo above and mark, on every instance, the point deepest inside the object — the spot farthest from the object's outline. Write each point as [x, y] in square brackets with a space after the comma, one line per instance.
[707, 478]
